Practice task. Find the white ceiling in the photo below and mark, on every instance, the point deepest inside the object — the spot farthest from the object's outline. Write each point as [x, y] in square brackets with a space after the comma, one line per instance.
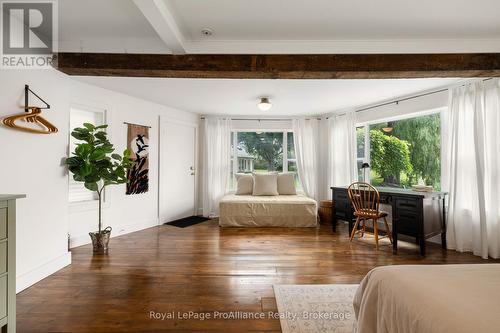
[283, 26]
[338, 19]
[289, 97]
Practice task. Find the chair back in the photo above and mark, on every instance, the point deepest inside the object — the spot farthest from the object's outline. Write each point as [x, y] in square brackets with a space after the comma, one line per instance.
[364, 197]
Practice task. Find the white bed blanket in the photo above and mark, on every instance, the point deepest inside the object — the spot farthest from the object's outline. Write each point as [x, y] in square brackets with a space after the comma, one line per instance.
[430, 299]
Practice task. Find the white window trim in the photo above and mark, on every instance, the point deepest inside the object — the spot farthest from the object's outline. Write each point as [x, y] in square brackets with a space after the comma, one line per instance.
[366, 125]
[88, 205]
[285, 148]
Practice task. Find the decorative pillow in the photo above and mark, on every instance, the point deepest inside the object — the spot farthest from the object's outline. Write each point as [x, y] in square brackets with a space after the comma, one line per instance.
[244, 185]
[286, 184]
[265, 184]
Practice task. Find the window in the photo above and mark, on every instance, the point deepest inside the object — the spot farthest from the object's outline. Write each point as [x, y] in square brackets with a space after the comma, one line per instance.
[77, 191]
[262, 152]
[401, 153]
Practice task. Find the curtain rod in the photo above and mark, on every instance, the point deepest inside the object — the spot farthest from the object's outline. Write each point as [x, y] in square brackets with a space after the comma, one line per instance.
[404, 99]
[262, 119]
[136, 124]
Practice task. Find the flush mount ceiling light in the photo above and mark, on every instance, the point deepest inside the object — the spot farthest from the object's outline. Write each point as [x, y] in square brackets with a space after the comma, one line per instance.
[264, 104]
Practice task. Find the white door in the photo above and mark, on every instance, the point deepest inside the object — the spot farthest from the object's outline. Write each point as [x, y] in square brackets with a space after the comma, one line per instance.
[177, 170]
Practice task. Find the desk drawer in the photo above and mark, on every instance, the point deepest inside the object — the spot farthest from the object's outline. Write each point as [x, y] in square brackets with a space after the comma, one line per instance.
[3, 297]
[3, 223]
[342, 208]
[340, 195]
[407, 222]
[3, 257]
[408, 204]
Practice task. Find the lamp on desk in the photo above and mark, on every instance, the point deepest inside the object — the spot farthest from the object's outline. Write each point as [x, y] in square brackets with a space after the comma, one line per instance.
[364, 166]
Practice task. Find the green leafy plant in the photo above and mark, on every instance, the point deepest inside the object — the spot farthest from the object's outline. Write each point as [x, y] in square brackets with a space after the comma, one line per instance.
[94, 162]
[267, 147]
[390, 156]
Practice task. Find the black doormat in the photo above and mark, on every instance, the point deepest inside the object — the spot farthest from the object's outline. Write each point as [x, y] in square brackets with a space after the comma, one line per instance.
[187, 221]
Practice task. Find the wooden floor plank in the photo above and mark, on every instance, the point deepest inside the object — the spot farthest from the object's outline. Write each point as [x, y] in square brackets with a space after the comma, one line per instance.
[203, 269]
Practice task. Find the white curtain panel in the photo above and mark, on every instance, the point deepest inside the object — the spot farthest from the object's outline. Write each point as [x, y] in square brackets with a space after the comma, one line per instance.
[306, 140]
[342, 162]
[216, 163]
[471, 168]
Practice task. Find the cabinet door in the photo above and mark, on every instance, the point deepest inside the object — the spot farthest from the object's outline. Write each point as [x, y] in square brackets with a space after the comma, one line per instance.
[3, 297]
[3, 257]
[407, 214]
[3, 223]
[342, 204]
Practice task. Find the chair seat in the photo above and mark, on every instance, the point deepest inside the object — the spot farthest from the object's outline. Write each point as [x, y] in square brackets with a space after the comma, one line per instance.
[370, 213]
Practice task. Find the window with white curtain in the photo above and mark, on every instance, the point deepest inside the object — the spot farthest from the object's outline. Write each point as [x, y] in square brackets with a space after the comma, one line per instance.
[401, 152]
[79, 116]
[256, 151]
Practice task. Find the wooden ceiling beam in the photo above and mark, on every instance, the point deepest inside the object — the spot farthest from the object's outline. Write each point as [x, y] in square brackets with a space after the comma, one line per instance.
[285, 66]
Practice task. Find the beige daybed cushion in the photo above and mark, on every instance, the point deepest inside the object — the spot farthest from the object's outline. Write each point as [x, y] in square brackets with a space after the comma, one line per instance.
[267, 211]
[286, 183]
[244, 184]
[265, 184]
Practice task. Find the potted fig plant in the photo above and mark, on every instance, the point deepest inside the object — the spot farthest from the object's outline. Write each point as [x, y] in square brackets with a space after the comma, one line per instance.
[96, 165]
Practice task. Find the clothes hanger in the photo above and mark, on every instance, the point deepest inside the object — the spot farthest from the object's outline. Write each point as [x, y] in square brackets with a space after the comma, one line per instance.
[32, 115]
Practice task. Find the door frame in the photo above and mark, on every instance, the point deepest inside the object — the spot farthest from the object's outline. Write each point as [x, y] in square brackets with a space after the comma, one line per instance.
[168, 120]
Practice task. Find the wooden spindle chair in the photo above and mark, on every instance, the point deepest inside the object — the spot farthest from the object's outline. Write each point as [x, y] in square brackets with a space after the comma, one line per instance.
[365, 200]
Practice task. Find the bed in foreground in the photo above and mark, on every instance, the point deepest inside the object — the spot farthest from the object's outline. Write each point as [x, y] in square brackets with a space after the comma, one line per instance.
[267, 211]
[425, 299]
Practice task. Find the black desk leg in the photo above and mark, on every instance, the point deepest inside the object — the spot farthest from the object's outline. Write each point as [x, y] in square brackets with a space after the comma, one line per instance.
[394, 238]
[443, 241]
[422, 246]
[443, 227]
[334, 220]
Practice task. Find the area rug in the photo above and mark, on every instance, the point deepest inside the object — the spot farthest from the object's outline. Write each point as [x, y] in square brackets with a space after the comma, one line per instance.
[187, 221]
[316, 308]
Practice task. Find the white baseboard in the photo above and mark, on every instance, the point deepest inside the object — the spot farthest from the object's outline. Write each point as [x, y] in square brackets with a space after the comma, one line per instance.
[41, 272]
[80, 240]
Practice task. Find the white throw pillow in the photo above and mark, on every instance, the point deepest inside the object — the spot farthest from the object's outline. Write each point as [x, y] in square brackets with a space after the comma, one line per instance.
[265, 184]
[244, 184]
[286, 184]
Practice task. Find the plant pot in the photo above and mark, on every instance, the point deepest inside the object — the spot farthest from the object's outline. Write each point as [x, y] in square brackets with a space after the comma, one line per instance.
[100, 240]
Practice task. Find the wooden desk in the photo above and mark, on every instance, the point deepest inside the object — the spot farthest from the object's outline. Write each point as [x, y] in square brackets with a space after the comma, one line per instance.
[407, 213]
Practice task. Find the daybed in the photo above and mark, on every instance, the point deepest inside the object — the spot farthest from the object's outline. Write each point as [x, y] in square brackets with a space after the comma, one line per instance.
[268, 211]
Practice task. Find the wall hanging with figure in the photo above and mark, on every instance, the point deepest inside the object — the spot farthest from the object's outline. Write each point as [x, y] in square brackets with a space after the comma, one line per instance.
[138, 144]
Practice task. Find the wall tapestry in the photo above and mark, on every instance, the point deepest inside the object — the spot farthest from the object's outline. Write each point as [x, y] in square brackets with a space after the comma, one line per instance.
[138, 144]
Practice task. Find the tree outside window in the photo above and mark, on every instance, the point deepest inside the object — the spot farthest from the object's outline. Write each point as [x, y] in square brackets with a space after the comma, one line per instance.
[403, 152]
[254, 151]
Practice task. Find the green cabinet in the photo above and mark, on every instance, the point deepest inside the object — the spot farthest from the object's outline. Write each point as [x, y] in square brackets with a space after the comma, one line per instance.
[8, 262]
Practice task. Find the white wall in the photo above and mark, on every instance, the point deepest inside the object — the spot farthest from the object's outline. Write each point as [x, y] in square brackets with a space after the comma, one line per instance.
[124, 213]
[33, 164]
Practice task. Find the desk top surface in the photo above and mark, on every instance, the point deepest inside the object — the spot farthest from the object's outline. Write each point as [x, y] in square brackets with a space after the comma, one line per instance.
[401, 191]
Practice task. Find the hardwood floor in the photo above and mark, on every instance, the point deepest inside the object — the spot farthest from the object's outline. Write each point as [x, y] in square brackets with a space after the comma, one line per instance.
[201, 269]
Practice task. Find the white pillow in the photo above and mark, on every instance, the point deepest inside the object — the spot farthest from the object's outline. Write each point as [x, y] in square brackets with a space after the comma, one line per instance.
[244, 185]
[265, 184]
[286, 184]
